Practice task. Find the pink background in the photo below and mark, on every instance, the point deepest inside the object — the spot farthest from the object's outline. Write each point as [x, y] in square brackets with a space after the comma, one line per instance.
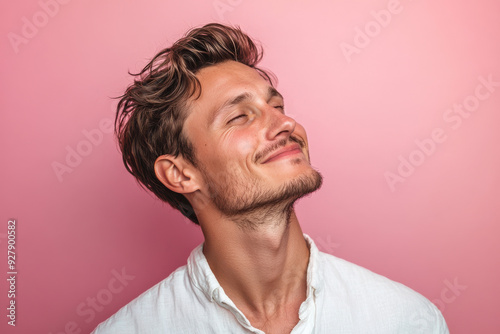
[364, 112]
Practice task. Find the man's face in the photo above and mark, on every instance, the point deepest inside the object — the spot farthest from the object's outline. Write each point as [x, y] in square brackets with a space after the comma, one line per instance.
[249, 153]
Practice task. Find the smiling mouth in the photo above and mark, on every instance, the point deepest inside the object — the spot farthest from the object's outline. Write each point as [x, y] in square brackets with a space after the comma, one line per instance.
[284, 152]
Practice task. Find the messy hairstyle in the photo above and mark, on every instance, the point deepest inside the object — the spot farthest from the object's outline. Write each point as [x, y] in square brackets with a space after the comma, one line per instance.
[151, 113]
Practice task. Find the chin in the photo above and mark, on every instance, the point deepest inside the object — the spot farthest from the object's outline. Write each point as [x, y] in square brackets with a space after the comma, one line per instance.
[303, 184]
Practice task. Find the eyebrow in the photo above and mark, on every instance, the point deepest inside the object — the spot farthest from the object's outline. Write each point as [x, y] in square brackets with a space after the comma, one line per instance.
[243, 97]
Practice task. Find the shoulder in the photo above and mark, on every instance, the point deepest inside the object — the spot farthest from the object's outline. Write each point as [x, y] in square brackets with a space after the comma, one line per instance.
[154, 310]
[372, 297]
[348, 274]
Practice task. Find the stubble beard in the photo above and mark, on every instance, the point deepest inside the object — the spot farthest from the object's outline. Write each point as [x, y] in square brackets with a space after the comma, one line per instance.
[250, 205]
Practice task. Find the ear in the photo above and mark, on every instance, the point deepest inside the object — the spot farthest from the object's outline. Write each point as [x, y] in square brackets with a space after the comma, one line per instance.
[176, 174]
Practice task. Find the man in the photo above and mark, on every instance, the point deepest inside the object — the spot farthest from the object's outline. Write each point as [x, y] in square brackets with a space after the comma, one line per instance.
[205, 130]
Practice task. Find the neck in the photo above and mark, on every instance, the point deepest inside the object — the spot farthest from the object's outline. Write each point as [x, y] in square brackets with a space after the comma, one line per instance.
[261, 266]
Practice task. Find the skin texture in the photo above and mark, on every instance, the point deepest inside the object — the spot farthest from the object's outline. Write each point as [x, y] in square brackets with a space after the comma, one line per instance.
[253, 164]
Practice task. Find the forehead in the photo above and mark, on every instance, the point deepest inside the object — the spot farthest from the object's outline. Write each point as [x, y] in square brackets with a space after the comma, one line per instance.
[223, 81]
[228, 73]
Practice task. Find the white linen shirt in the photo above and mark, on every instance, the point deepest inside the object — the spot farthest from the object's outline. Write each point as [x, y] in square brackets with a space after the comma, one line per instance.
[341, 298]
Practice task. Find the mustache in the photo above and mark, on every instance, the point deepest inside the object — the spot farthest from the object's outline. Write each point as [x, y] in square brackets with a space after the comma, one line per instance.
[281, 143]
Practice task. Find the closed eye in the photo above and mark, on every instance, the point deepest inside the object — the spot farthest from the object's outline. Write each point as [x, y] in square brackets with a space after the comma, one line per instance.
[237, 117]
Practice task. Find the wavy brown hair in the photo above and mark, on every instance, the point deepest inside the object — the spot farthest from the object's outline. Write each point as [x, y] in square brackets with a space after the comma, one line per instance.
[151, 113]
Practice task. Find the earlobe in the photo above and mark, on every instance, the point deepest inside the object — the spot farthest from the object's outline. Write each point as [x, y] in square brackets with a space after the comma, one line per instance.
[175, 174]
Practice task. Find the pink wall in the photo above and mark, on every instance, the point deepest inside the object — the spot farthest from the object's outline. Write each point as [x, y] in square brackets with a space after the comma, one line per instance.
[411, 182]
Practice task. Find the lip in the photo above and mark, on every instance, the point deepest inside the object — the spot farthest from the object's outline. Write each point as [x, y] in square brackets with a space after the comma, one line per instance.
[283, 152]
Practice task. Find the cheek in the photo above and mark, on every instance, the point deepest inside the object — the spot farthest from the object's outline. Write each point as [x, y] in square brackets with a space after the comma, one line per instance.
[239, 146]
[239, 141]
[244, 145]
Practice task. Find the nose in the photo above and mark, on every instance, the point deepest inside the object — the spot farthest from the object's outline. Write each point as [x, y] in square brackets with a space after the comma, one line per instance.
[279, 124]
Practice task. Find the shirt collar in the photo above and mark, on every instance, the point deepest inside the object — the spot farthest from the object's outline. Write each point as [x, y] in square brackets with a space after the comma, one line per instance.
[203, 278]
[200, 274]
[313, 279]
